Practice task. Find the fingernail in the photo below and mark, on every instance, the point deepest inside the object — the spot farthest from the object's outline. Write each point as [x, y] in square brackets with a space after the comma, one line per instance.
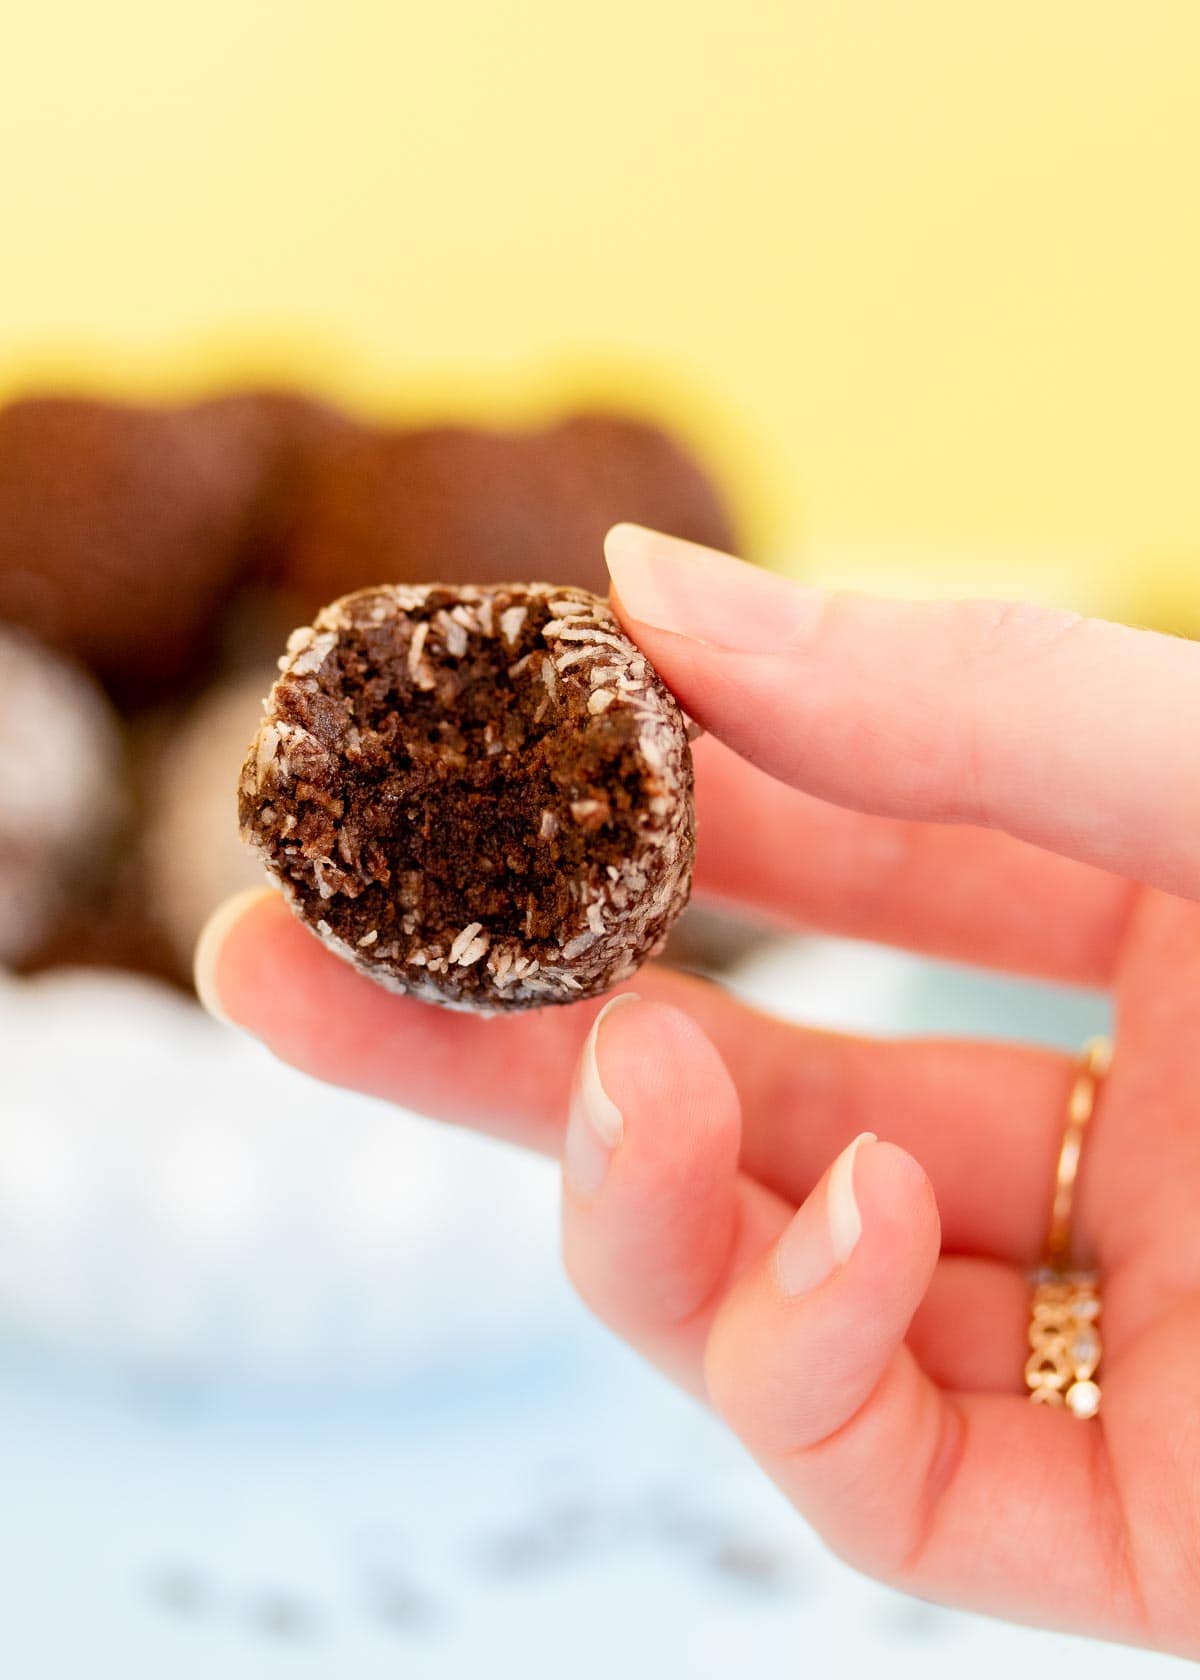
[211, 943]
[595, 1125]
[706, 596]
[825, 1231]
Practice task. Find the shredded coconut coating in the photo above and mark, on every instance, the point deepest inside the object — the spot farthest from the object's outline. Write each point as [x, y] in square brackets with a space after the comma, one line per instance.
[481, 796]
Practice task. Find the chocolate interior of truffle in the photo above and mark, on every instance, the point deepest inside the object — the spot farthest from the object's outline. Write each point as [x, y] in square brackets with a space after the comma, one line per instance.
[485, 796]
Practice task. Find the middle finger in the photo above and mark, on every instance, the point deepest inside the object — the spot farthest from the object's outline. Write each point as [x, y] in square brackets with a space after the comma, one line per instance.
[971, 894]
[983, 1119]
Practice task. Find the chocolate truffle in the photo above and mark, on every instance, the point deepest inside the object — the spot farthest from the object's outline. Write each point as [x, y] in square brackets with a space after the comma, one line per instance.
[473, 506]
[123, 532]
[62, 791]
[191, 857]
[283, 433]
[480, 796]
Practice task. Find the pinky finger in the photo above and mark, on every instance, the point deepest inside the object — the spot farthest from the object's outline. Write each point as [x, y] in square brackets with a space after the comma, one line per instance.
[977, 1500]
[810, 1349]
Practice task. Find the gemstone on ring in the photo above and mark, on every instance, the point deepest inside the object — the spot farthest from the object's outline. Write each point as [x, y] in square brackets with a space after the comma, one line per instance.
[1085, 1347]
[1083, 1399]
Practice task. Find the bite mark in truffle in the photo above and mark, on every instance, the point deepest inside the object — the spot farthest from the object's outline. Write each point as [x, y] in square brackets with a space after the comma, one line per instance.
[480, 796]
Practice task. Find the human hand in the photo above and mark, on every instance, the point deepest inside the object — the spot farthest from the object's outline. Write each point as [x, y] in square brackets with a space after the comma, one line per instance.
[994, 783]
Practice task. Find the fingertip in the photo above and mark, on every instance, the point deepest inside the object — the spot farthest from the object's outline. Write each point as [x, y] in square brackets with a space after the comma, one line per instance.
[655, 1056]
[648, 1066]
[628, 544]
[897, 1200]
[845, 1217]
[875, 1197]
[628, 551]
[626, 541]
[597, 1123]
[656, 578]
[212, 944]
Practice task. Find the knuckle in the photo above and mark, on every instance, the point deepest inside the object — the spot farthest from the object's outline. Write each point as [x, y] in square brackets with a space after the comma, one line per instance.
[997, 638]
[992, 646]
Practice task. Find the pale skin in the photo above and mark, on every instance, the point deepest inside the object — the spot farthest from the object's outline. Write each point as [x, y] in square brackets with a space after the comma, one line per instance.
[994, 783]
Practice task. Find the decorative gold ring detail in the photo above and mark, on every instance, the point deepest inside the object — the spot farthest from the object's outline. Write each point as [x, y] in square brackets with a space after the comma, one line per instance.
[1064, 1330]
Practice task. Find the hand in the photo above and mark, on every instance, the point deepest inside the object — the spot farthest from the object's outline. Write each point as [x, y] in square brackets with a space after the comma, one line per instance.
[996, 783]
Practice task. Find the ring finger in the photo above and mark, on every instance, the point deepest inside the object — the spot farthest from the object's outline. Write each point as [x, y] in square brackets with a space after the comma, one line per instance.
[659, 1224]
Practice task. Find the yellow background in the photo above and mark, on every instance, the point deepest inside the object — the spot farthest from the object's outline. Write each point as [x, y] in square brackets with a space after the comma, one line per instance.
[927, 273]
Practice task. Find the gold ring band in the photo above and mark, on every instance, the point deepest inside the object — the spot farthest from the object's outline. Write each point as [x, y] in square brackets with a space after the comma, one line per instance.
[1081, 1104]
[1064, 1330]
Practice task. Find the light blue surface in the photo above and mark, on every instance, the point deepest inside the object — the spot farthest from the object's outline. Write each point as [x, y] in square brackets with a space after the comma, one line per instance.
[568, 1516]
[534, 1504]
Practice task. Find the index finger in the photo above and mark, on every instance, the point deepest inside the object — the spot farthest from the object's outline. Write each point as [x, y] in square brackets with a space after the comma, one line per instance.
[1064, 731]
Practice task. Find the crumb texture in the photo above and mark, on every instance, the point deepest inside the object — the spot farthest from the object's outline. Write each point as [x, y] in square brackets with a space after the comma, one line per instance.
[481, 796]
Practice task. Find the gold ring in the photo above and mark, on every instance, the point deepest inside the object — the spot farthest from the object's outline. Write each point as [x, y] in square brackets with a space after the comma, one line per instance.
[1064, 1330]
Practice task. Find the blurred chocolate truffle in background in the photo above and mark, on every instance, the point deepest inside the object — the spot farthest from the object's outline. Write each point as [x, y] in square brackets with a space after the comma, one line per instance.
[123, 532]
[193, 856]
[116, 922]
[279, 433]
[282, 434]
[471, 506]
[63, 794]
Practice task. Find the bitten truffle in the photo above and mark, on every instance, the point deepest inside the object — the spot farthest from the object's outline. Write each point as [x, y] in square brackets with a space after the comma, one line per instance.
[480, 796]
